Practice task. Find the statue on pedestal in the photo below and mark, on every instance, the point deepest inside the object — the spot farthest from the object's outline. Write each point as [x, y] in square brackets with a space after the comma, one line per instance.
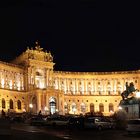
[37, 47]
[129, 89]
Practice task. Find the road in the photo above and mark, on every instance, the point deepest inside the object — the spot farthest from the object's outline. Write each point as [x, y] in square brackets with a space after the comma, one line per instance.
[22, 132]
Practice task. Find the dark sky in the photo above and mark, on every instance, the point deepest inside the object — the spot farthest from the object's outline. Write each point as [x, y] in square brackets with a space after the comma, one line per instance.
[84, 35]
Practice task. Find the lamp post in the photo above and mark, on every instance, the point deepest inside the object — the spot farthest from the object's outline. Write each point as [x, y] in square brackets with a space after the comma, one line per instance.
[31, 107]
[120, 108]
[111, 112]
[57, 111]
[46, 110]
[74, 110]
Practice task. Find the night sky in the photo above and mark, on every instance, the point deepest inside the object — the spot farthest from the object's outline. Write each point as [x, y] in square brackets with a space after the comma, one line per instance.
[84, 35]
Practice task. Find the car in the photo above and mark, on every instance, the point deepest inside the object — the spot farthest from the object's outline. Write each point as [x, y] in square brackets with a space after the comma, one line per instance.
[133, 126]
[36, 121]
[97, 123]
[57, 121]
[76, 122]
[16, 119]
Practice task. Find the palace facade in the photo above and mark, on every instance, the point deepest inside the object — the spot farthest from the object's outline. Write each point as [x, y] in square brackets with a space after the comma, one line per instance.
[30, 83]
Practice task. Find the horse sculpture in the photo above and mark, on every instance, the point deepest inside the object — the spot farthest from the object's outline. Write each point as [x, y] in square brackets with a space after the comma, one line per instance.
[129, 89]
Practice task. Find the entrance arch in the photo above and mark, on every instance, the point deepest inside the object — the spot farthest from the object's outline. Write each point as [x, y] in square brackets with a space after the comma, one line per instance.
[92, 107]
[83, 108]
[33, 101]
[52, 104]
[101, 107]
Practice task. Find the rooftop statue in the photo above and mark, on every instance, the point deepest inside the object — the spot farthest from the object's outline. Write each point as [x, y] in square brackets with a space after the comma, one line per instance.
[37, 47]
[129, 89]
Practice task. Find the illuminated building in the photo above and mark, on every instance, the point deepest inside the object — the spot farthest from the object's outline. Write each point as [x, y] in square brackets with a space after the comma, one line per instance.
[30, 83]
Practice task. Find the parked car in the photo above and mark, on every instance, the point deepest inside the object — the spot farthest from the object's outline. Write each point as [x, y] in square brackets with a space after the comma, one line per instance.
[36, 121]
[16, 119]
[97, 123]
[76, 122]
[57, 121]
[133, 126]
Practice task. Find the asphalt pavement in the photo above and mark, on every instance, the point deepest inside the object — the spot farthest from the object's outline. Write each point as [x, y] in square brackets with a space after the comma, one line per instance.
[26, 132]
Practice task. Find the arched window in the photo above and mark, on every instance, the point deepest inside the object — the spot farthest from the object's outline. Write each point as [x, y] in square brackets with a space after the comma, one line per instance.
[66, 107]
[101, 107]
[52, 103]
[38, 73]
[109, 90]
[99, 90]
[11, 104]
[19, 104]
[91, 107]
[74, 109]
[83, 108]
[119, 88]
[111, 107]
[3, 103]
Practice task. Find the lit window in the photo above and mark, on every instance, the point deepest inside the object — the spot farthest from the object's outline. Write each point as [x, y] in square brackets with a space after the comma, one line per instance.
[19, 104]
[3, 103]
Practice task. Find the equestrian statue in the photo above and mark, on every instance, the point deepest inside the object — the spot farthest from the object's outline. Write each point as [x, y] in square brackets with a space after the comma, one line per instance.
[129, 90]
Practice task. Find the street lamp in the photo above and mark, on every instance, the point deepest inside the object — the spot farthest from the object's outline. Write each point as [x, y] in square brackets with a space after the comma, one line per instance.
[24, 110]
[57, 111]
[31, 106]
[74, 110]
[46, 109]
[120, 108]
[138, 94]
[111, 112]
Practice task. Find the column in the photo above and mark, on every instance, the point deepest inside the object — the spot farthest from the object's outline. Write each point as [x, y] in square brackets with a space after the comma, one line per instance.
[111, 86]
[0, 103]
[15, 105]
[26, 79]
[68, 86]
[5, 79]
[86, 86]
[83, 89]
[38, 102]
[92, 86]
[65, 89]
[0, 78]
[115, 86]
[96, 86]
[7, 104]
[34, 74]
[75, 88]
[45, 77]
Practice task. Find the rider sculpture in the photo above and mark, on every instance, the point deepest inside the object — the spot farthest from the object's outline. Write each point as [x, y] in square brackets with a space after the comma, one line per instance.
[129, 90]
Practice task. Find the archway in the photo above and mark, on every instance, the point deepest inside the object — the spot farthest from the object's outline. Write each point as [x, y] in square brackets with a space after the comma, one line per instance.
[52, 104]
[111, 107]
[3, 103]
[91, 107]
[33, 104]
[19, 104]
[83, 108]
[66, 110]
[11, 104]
[101, 107]
[74, 108]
